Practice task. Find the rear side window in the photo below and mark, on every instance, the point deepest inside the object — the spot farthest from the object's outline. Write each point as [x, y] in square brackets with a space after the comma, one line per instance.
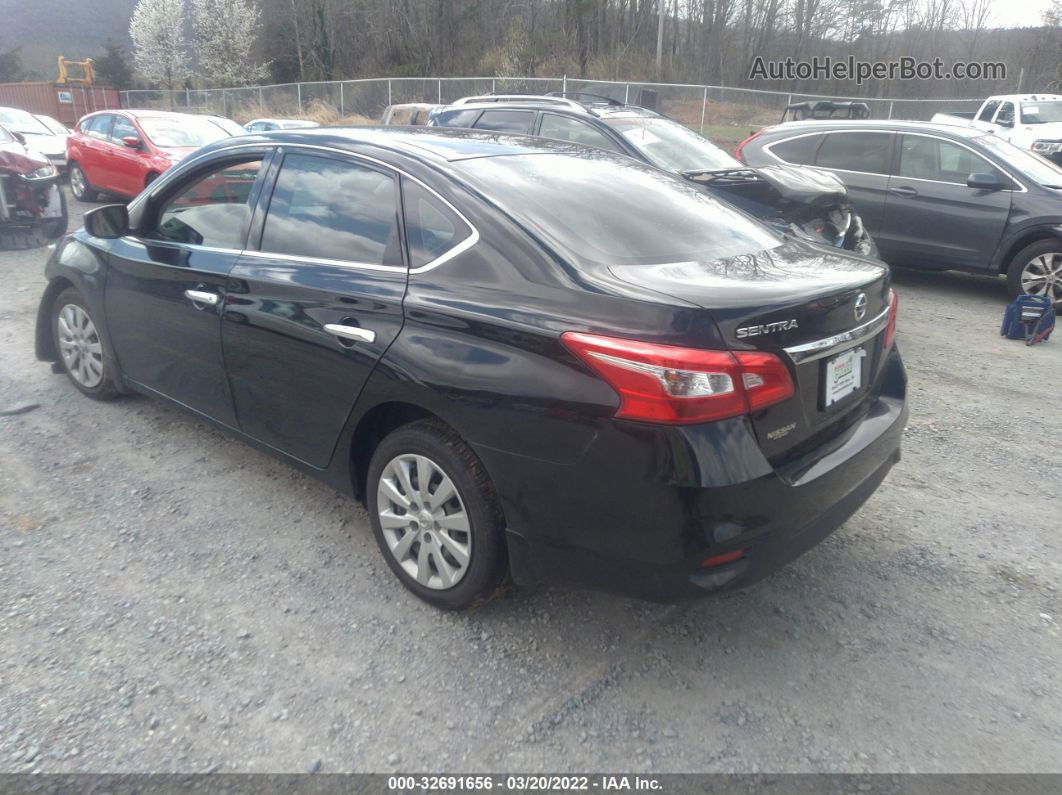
[563, 128]
[213, 211]
[514, 121]
[333, 210]
[856, 151]
[432, 228]
[800, 151]
[457, 118]
[988, 111]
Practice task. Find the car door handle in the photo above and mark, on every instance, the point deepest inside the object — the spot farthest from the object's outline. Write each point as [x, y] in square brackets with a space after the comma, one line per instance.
[202, 297]
[903, 190]
[355, 333]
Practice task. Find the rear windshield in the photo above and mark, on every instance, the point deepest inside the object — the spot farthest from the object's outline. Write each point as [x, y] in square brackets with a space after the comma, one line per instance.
[613, 211]
[671, 146]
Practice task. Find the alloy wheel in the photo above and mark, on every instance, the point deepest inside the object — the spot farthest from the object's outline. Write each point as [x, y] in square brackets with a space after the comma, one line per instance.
[77, 182]
[79, 345]
[424, 521]
[1042, 275]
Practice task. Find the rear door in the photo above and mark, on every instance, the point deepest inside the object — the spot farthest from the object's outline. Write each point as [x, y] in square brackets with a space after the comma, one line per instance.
[862, 161]
[95, 154]
[166, 284]
[309, 313]
[934, 218]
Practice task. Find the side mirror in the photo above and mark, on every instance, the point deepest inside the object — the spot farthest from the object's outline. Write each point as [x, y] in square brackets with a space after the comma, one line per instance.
[983, 182]
[1005, 122]
[109, 221]
[131, 141]
[19, 137]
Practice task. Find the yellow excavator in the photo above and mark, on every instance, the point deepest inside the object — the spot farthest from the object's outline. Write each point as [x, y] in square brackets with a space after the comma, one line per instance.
[88, 73]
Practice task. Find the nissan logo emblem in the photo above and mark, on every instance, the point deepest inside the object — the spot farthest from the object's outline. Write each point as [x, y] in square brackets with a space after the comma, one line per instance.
[860, 306]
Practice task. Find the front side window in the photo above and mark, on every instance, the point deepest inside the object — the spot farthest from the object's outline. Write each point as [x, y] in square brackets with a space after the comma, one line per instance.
[563, 128]
[1006, 114]
[432, 228]
[214, 210]
[868, 152]
[514, 121]
[99, 127]
[333, 210]
[123, 128]
[941, 161]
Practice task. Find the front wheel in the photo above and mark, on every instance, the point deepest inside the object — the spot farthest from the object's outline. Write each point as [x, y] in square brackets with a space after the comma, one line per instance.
[436, 517]
[79, 185]
[80, 347]
[1037, 270]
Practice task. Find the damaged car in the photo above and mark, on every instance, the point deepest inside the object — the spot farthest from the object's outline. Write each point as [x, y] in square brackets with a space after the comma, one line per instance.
[32, 204]
[793, 199]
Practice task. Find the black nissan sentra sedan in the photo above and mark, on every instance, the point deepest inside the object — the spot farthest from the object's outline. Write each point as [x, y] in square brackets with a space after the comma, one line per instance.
[525, 356]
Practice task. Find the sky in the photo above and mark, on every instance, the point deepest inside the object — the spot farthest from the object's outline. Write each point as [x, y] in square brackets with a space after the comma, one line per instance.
[1018, 13]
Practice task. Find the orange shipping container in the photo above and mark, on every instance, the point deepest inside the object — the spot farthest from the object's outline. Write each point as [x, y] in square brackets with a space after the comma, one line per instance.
[67, 102]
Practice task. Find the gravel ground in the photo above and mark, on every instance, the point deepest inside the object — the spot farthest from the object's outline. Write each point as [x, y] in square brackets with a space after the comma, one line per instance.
[173, 600]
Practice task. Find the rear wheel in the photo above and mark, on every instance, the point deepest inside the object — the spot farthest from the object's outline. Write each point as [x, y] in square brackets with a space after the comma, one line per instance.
[1037, 270]
[79, 185]
[436, 517]
[80, 347]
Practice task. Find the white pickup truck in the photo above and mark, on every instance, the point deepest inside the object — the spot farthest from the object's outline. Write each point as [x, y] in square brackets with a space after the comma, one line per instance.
[1031, 121]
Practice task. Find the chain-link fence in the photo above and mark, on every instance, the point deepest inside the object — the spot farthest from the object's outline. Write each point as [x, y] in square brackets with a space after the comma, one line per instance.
[718, 111]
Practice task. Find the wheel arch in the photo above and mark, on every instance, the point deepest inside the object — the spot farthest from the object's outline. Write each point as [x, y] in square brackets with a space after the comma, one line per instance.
[1027, 238]
[45, 340]
[373, 427]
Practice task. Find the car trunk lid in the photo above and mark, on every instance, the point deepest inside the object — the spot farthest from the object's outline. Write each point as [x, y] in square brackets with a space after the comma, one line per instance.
[820, 312]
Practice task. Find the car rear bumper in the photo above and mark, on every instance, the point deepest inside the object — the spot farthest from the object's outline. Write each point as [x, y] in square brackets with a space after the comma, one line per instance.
[644, 508]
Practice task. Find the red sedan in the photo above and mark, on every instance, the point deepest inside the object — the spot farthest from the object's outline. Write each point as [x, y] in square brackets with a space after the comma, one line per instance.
[122, 151]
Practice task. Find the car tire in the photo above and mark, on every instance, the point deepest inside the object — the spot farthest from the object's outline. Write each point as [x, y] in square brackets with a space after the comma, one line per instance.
[451, 553]
[79, 345]
[80, 186]
[1041, 258]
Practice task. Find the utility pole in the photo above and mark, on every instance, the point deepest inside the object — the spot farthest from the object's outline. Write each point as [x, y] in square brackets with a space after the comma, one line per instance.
[660, 37]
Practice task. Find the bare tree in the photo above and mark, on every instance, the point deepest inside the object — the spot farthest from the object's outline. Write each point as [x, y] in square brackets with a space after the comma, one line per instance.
[159, 50]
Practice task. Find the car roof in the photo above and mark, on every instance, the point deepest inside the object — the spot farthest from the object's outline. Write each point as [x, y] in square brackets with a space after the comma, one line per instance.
[439, 144]
[600, 109]
[1024, 97]
[888, 125]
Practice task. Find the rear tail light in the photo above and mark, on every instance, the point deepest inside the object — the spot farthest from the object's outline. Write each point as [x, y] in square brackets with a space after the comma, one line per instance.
[670, 384]
[743, 144]
[894, 308]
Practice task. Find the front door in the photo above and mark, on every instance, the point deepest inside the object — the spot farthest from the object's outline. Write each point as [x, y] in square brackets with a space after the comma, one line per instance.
[309, 314]
[934, 218]
[166, 285]
[126, 163]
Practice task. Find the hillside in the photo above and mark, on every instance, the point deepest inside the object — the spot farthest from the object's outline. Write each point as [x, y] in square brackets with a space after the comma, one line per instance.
[46, 29]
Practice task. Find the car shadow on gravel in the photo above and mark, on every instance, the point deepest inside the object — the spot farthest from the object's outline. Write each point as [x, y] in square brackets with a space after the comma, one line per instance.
[974, 285]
